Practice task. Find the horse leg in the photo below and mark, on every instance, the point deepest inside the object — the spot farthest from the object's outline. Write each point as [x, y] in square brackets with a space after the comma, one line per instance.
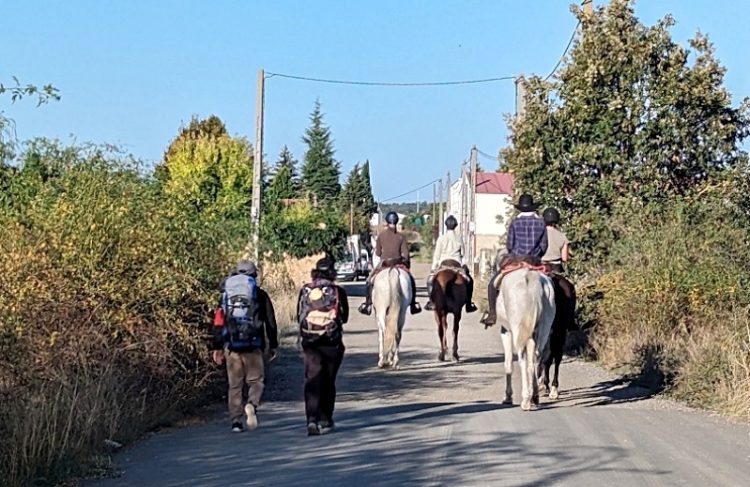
[554, 393]
[508, 353]
[381, 359]
[533, 368]
[456, 326]
[523, 359]
[441, 335]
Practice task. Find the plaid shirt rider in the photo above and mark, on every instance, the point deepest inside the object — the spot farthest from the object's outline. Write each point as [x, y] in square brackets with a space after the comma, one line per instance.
[527, 235]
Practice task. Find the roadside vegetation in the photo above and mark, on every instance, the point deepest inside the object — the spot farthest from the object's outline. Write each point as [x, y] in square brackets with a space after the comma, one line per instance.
[638, 143]
[109, 272]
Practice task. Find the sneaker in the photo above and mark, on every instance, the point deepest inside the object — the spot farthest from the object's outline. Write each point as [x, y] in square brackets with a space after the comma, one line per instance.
[326, 427]
[365, 309]
[313, 429]
[415, 308]
[471, 307]
[252, 418]
[237, 427]
[429, 306]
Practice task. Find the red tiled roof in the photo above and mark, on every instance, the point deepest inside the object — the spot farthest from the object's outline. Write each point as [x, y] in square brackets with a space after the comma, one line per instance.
[495, 183]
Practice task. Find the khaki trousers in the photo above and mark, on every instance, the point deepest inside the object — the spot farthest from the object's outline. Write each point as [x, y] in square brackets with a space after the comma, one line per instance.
[244, 368]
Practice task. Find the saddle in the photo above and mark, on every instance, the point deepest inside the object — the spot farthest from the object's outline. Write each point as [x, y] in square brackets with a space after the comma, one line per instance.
[511, 263]
[390, 264]
[452, 265]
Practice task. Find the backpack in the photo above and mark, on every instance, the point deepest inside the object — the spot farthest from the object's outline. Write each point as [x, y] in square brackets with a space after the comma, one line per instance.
[243, 331]
[319, 311]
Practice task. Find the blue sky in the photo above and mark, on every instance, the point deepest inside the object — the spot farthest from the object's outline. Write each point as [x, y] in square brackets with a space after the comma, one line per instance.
[131, 72]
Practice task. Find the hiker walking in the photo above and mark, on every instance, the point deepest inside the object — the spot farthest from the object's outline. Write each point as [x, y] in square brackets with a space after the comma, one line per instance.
[243, 321]
[322, 309]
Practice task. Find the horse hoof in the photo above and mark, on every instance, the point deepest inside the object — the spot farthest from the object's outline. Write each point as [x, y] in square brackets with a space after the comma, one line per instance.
[508, 400]
[554, 393]
[535, 400]
[441, 356]
[381, 365]
[455, 357]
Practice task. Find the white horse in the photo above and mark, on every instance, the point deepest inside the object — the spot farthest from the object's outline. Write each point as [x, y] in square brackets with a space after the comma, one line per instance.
[526, 310]
[391, 295]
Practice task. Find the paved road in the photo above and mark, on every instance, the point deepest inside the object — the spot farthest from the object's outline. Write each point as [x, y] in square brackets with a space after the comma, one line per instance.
[442, 424]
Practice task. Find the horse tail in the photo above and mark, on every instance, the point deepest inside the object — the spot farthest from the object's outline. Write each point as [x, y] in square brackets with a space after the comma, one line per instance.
[393, 311]
[532, 310]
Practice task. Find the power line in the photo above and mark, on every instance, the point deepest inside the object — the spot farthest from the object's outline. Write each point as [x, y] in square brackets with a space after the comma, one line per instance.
[570, 43]
[481, 153]
[391, 83]
[410, 192]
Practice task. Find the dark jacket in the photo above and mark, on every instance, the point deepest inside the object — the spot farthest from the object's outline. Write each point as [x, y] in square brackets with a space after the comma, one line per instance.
[391, 245]
[527, 236]
[343, 315]
[263, 312]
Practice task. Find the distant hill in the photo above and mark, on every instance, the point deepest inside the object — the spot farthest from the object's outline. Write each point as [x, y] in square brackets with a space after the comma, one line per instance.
[406, 208]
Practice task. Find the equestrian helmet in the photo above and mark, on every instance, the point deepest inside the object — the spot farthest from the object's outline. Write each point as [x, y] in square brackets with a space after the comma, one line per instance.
[551, 216]
[391, 218]
[451, 223]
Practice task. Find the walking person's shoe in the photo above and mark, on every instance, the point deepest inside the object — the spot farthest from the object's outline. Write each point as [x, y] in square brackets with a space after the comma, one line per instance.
[471, 307]
[429, 306]
[313, 429]
[252, 418]
[237, 427]
[326, 427]
[415, 308]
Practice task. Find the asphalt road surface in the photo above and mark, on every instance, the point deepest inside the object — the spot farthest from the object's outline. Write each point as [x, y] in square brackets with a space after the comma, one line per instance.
[434, 423]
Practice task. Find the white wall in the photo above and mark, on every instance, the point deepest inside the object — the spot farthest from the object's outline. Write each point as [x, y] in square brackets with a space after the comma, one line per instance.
[489, 206]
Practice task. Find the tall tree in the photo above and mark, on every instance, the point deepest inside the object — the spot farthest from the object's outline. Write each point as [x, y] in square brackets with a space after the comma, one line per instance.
[357, 201]
[320, 170]
[207, 168]
[629, 119]
[283, 180]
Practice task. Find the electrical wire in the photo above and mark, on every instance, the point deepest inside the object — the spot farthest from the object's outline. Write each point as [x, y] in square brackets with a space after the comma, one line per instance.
[570, 43]
[390, 83]
[409, 192]
[481, 153]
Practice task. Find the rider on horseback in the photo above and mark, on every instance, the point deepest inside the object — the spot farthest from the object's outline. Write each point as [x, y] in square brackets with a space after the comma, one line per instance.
[450, 247]
[558, 248]
[527, 240]
[392, 249]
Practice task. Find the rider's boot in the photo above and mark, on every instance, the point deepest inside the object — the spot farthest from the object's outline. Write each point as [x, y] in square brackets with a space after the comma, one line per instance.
[470, 306]
[490, 316]
[429, 306]
[414, 307]
[366, 307]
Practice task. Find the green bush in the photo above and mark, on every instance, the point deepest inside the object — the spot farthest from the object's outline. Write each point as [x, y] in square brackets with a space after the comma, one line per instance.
[104, 286]
[674, 298]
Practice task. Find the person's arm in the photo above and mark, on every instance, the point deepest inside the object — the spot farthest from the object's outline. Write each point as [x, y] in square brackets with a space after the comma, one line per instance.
[269, 320]
[564, 252]
[404, 249]
[344, 305]
[462, 250]
[378, 247]
[437, 252]
[544, 243]
[510, 242]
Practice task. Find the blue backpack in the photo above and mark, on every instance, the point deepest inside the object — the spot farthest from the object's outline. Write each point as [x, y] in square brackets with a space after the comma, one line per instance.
[243, 331]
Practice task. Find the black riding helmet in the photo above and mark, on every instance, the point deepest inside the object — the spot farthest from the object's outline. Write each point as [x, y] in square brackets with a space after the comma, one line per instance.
[551, 216]
[451, 223]
[391, 218]
[325, 267]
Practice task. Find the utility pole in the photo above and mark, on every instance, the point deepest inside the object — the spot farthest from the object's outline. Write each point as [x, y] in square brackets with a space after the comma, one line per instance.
[472, 247]
[440, 210]
[258, 162]
[351, 218]
[448, 197]
[520, 96]
[435, 220]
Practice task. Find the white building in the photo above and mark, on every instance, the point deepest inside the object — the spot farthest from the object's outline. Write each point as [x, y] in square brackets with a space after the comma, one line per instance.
[493, 203]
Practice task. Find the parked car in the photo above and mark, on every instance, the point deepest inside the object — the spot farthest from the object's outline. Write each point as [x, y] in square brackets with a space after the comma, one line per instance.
[346, 268]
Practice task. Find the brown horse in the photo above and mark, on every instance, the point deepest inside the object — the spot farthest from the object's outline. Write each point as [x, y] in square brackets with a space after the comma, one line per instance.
[565, 317]
[448, 296]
